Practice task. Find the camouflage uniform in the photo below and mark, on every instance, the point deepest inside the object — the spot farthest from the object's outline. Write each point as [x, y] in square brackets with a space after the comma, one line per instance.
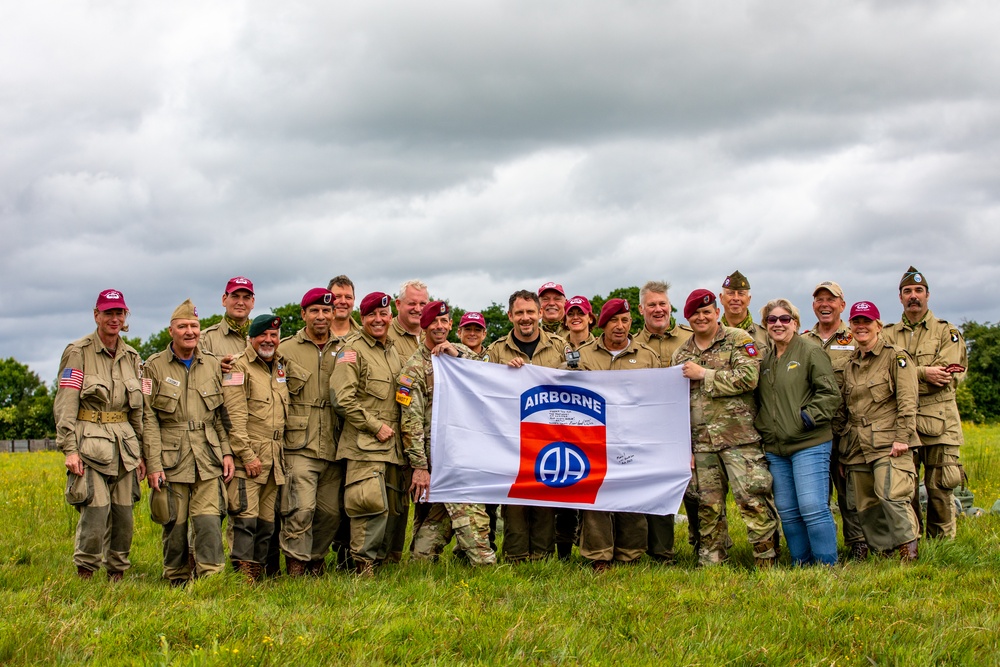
[311, 499]
[840, 348]
[256, 398]
[620, 536]
[361, 389]
[468, 522]
[102, 422]
[880, 406]
[756, 331]
[556, 328]
[726, 446]
[934, 342]
[184, 439]
[529, 531]
[661, 527]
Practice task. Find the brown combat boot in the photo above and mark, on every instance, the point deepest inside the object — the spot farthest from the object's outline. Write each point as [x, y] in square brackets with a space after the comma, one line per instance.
[908, 552]
[296, 568]
[316, 567]
[766, 563]
[601, 566]
[115, 577]
[84, 573]
[365, 569]
[859, 551]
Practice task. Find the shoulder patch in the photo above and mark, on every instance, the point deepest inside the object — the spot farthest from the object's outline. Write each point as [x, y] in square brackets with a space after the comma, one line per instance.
[71, 378]
[406, 380]
[751, 349]
[954, 335]
[901, 360]
[403, 396]
[845, 338]
[232, 380]
[147, 386]
[347, 357]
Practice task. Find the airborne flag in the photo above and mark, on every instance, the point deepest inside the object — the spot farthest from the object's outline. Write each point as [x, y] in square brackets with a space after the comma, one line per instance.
[603, 440]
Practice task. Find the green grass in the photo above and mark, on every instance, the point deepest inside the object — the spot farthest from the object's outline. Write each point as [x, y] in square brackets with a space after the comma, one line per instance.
[944, 610]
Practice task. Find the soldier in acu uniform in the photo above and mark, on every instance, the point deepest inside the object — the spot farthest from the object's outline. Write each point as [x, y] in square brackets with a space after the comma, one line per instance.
[310, 500]
[877, 422]
[721, 363]
[664, 335]
[433, 529]
[187, 450]
[361, 388]
[98, 414]
[256, 398]
[529, 532]
[939, 352]
[608, 537]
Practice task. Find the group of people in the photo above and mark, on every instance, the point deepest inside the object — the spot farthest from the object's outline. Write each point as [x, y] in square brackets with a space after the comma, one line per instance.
[317, 443]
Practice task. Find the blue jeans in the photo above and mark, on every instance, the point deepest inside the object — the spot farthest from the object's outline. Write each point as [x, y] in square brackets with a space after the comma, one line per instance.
[801, 492]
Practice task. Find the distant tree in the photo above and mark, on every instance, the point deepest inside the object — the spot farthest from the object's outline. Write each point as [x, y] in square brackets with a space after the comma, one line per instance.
[25, 403]
[159, 341]
[630, 294]
[497, 324]
[291, 318]
[983, 377]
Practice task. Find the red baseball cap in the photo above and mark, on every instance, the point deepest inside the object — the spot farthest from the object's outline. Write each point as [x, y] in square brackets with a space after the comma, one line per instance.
[865, 309]
[472, 317]
[109, 299]
[238, 283]
[551, 286]
[583, 304]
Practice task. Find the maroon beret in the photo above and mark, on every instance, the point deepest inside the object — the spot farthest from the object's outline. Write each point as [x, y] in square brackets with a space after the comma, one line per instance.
[697, 299]
[432, 311]
[324, 297]
[373, 301]
[611, 308]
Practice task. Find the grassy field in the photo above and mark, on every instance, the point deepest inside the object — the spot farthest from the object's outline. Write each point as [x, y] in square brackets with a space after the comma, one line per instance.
[943, 610]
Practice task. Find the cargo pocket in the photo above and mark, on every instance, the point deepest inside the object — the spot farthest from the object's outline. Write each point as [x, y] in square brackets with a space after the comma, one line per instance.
[903, 477]
[295, 431]
[931, 425]
[850, 490]
[365, 494]
[133, 388]
[290, 496]
[136, 487]
[79, 488]
[170, 449]
[880, 390]
[946, 471]
[97, 445]
[237, 496]
[211, 394]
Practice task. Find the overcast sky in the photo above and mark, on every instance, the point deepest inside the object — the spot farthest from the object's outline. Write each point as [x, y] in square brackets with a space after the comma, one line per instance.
[162, 148]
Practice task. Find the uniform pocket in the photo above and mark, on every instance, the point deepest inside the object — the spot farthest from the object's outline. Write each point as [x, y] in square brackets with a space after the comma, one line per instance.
[365, 493]
[377, 384]
[97, 445]
[931, 425]
[237, 496]
[295, 431]
[96, 387]
[880, 390]
[132, 387]
[165, 400]
[297, 379]
[211, 394]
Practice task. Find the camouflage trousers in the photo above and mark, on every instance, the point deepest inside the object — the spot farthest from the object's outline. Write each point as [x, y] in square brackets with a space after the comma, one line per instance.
[199, 506]
[468, 523]
[880, 492]
[104, 531]
[607, 536]
[744, 468]
[942, 474]
[310, 506]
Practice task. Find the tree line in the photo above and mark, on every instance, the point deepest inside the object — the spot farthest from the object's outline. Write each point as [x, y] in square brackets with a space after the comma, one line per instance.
[26, 401]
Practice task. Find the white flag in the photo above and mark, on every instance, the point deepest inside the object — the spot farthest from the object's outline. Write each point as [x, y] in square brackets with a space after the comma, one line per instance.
[601, 440]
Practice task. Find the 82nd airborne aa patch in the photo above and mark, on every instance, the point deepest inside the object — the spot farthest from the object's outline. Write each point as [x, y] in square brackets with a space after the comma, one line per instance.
[751, 349]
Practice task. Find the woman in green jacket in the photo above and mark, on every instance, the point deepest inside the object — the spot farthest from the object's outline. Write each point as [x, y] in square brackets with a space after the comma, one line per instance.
[797, 397]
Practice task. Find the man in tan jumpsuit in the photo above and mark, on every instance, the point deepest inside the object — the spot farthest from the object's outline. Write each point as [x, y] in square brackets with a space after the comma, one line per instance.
[940, 355]
[310, 499]
[186, 447]
[98, 414]
[663, 334]
[227, 339]
[256, 398]
[529, 531]
[362, 390]
[607, 537]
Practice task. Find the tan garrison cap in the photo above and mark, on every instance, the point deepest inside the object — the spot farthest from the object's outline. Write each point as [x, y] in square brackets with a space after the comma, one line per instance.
[185, 311]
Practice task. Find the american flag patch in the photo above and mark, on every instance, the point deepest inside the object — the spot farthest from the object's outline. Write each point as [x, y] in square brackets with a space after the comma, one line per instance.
[147, 386]
[347, 357]
[232, 380]
[71, 378]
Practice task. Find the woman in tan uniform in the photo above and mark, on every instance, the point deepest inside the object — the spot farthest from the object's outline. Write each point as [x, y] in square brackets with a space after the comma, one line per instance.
[878, 421]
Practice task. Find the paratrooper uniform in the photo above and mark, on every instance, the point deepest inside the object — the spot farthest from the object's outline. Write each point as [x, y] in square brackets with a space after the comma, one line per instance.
[98, 415]
[185, 440]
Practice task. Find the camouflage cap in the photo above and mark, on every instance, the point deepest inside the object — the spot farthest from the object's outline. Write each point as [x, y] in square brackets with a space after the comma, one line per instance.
[263, 323]
[736, 280]
[185, 311]
[913, 277]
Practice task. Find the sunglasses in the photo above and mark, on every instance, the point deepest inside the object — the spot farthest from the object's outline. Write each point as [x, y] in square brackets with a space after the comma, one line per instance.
[784, 319]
